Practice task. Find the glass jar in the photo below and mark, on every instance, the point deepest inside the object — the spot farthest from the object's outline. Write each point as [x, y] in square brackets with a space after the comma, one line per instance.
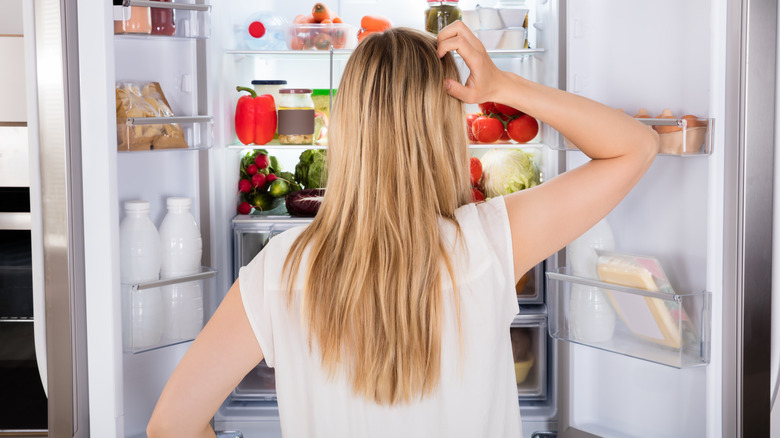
[162, 20]
[440, 14]
[295, 116]
[321, 98]
[133, 19]
[271, 87]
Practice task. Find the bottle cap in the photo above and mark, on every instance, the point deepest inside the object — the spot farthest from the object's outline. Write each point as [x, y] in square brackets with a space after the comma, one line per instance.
[256, 29]
[295, 91]
[272, 82]
[136, 206]
[179, 202]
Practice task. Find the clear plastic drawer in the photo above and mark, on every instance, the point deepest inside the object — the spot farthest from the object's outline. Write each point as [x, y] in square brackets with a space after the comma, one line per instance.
[160, 313]
[669, 329]
[177, 18]
[529, 349]
[158, 133]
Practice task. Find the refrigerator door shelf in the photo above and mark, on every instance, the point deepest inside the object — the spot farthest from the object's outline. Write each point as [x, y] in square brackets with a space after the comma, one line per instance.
[191, 20]
[668, 329]
[165, 133]
[692, 137]
[145, 303]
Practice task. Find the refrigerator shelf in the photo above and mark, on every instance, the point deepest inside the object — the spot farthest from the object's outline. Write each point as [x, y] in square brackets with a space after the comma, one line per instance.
[301, 147]
[147, 323]
[687, 141]
[193, 21]
[668, 329]
[165, 133]
[343, 54]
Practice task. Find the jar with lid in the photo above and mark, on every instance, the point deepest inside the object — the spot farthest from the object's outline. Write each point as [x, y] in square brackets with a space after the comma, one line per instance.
[132, 19]
[271, 87]
[295, 116]
[162, 20]
[440, 14]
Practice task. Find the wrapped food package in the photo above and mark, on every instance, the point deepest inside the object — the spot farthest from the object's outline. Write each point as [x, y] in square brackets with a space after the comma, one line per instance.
[137, 100]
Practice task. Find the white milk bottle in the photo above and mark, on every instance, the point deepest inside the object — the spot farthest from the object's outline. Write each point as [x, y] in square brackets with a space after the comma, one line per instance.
[591, 316]
[181, 253]
[139, 245]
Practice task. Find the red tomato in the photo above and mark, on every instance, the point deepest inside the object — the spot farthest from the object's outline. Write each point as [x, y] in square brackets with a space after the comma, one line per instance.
[475, 170]
[476, 195]
[486, 129]
[523, 129]
[504, 136]
[470, 121]
[507, 110]
[488, 108]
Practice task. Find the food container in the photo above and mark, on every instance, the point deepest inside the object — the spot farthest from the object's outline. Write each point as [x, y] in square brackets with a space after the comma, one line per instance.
[441, 14]
[162, 20]
[512, 39]
[305, 36]
[489, 19]
[522, 368]
[490, 38]
[295, 116]
[321, 98]
[271, 87]
[131, 19]
[514, 17]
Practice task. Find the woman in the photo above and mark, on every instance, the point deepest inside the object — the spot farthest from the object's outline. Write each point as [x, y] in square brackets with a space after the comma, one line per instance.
[389, 315]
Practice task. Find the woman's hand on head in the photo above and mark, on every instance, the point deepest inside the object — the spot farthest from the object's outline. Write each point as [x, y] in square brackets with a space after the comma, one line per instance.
[484, 78]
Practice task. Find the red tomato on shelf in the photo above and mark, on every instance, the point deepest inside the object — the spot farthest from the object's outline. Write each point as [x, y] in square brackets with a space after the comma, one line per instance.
[488, 108]
[523, 129]
[475, 170]
[506, 109]
[487, 129]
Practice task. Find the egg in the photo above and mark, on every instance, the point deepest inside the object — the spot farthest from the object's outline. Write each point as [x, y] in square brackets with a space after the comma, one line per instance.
[642, 114]
[666, 114]
[693, 121]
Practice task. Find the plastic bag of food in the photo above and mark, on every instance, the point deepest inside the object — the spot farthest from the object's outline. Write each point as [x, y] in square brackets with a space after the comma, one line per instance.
[138, 100]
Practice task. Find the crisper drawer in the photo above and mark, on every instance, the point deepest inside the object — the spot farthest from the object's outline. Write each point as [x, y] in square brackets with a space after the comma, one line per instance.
[529, 347]
[251, 233]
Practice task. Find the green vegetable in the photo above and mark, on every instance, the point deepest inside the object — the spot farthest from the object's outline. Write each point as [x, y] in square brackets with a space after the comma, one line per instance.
[311, 171]
[506, 171]
[264, 201]
[279, 188]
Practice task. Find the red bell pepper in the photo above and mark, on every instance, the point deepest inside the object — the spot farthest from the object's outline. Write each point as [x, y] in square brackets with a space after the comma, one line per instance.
[255, 117]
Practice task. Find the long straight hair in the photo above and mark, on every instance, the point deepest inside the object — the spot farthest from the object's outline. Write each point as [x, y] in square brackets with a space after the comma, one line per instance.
[397, 165]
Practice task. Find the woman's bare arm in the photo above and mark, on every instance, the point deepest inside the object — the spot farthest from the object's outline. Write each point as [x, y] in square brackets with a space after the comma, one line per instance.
[546, 218]
[216, 362]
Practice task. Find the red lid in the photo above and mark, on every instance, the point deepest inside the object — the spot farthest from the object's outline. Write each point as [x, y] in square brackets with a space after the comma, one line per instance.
[256, 29]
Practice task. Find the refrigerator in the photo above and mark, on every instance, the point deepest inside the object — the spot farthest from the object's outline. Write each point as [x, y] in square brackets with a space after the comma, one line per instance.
[706, 215]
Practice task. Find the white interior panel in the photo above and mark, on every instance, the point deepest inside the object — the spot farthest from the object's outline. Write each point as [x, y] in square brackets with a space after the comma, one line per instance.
[13, 107]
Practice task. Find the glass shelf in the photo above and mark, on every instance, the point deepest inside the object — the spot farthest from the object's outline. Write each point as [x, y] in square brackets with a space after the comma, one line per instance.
[165, 133]
[192, 20]
[301, 147]
[343, 54]
[685, 141]
[150, 320]
[506, 145]
[664, 328]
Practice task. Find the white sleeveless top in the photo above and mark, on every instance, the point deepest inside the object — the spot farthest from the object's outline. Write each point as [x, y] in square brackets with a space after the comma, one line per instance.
[477, 393]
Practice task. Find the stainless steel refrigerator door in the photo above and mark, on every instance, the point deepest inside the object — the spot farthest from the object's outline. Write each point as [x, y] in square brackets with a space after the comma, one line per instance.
[58, 152]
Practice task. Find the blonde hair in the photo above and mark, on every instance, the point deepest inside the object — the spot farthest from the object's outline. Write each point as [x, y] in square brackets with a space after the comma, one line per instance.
[397, 164]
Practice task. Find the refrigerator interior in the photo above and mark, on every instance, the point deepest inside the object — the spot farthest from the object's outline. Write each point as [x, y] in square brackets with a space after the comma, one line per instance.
[656, 56]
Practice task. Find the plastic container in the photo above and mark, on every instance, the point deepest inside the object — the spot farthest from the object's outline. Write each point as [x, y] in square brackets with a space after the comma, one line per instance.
[264, 31]
[295, 115]
[163, 22]
[305, 36]
[490, 37]
[271, 87]
[489, 19]
[321, 98]
[591, 317]
[181, 254]
[441, 14]
[132, 19]
[140, 260]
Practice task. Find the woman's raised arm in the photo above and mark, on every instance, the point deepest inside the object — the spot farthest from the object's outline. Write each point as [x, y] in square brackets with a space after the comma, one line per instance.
[546, 218]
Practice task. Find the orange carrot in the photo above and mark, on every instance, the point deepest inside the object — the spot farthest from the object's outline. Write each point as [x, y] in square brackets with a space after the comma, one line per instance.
[326, 21]
[320, 12]
[303, 19]
[337, 20]
[375, 23]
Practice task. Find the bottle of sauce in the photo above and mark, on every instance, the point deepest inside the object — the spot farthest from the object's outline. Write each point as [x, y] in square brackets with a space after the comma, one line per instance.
[162, 20]
[133, 19]
[440, 14]
[295, 116]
